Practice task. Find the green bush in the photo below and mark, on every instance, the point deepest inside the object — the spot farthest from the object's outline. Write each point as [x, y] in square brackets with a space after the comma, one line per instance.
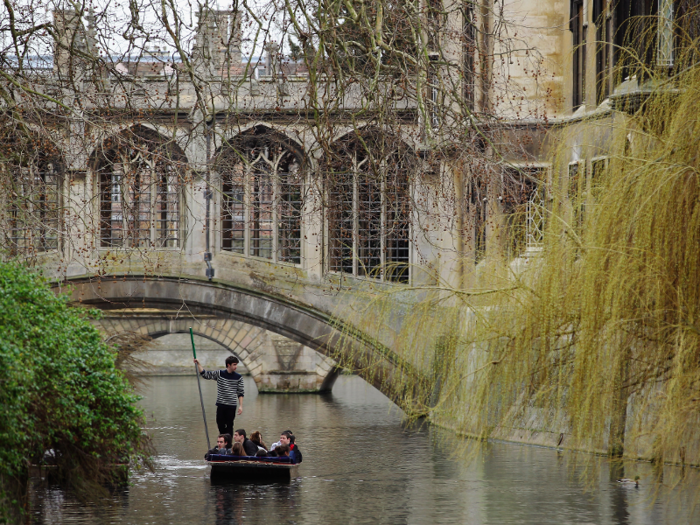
[59, 390]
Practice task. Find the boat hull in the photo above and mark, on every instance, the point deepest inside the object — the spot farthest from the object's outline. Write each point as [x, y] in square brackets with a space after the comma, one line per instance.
[245, 471]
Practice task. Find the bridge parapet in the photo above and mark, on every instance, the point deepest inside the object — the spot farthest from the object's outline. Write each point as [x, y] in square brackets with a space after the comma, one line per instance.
[331, 296]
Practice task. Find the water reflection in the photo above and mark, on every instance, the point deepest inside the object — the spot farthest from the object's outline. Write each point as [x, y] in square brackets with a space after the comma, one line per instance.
[360, 466]
[236, 501]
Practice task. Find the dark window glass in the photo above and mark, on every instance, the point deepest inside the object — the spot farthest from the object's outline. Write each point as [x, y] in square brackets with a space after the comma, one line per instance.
[262, 195]
[140, 185]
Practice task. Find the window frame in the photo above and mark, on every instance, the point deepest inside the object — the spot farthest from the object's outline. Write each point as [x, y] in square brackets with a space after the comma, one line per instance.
[478, 191]
[578, 26]
[469, 51]
[149, 146]
[542, 188]
[380, 272]
[30, 222]
[264, 138]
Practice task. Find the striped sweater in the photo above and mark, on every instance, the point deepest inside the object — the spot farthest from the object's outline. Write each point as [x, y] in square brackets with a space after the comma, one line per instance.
[229, 386]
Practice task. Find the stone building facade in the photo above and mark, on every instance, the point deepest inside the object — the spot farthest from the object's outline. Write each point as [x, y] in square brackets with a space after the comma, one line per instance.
[168, 176]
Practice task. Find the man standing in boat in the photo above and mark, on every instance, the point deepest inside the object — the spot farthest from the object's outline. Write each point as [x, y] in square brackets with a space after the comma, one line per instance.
[229, 393]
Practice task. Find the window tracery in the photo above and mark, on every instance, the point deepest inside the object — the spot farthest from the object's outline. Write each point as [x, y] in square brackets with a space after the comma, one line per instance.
[34, 211]
[140, 186]
[523, 201]
[369, 210]
[262, 198]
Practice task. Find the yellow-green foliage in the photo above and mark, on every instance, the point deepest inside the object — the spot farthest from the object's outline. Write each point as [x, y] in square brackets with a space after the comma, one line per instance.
[600, 337]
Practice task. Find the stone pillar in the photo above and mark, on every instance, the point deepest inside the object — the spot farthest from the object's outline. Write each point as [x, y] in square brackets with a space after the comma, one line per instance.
[67, 23]
[227, 41]
[293, 367]
[70, 38]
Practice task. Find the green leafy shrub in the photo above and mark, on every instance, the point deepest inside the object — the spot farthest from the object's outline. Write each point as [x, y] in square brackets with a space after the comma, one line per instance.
[59, 391]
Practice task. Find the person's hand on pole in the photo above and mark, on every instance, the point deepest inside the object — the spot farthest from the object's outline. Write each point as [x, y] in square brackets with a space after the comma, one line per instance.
[199, 367]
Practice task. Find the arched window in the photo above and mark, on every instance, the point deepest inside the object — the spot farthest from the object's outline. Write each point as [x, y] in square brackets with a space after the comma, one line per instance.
[262, 189]
[369, 207]
[35, 177]
[140, 181]
[524, 203]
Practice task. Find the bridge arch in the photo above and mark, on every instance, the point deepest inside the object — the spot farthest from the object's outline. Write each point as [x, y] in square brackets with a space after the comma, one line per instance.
[245, 341]
[194, 297]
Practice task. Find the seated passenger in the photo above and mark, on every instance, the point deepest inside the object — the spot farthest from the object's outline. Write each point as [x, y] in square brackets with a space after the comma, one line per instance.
[223, 444]
[261, 453]
[249, 447]
[287, 438]
[282, 451]
[237, 450]
[256, 437]
[278, 443]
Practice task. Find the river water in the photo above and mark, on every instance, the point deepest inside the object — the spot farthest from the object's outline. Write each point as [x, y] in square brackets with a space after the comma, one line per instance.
[361, 465]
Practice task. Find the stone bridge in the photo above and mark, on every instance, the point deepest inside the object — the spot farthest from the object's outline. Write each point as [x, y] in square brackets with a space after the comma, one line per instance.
[238, 316]
[168, 215]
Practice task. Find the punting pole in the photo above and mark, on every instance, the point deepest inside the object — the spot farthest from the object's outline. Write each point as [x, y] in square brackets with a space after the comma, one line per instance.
[199, 385]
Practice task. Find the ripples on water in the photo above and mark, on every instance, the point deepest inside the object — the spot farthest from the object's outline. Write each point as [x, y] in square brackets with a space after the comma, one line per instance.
[360, 466]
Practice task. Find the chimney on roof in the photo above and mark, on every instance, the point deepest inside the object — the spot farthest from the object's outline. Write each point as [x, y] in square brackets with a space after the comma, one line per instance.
[218, 41]
[71, 41]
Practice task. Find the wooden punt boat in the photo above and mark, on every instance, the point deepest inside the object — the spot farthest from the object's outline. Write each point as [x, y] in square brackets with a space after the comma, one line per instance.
[242, 469]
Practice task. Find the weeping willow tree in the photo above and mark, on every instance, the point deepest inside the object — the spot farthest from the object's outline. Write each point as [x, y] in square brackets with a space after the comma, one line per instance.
[592, 339]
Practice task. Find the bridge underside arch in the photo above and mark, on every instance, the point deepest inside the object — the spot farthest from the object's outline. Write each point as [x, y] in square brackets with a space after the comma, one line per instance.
[227, 302]
[247, 342]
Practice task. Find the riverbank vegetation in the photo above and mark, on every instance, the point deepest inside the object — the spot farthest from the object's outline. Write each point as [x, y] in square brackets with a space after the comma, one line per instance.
[62, 400]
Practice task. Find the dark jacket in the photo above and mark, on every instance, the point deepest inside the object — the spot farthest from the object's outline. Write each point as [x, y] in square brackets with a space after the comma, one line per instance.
[295, 453]
[250, 448]
[224, 451]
